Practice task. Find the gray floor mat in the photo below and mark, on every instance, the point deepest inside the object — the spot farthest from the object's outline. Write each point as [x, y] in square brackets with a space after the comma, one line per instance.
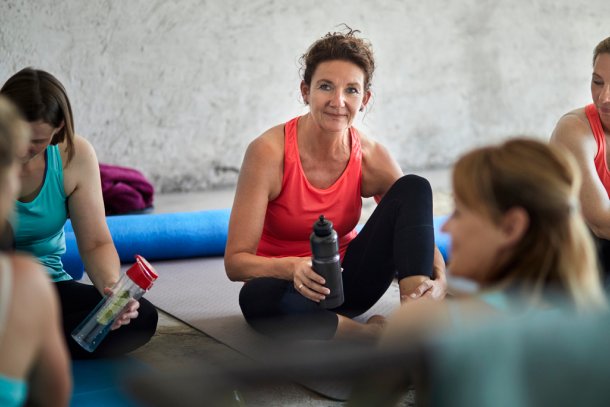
[198, 292]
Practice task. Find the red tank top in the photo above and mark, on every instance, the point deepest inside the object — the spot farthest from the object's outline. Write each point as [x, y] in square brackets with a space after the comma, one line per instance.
[600, 138]
[290, 216]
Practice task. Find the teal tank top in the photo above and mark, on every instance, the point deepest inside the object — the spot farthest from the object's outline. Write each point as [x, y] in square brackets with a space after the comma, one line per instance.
[12, 391]
[39, 224]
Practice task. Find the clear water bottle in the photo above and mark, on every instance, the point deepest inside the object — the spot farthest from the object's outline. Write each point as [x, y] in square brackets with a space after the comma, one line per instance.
[326, 260]
[133, 284]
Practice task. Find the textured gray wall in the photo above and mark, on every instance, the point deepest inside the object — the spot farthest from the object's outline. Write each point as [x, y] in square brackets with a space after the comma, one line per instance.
[178, 89]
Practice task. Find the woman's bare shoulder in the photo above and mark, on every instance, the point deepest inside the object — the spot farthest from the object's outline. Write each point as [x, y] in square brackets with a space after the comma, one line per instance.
[269, 145]
[30, 280]
[84, 155]
[574, 132]
[574, 122]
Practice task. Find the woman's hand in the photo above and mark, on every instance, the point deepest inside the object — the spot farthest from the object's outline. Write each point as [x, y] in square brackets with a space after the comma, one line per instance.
[130, 312]
[434, 289]
[307, 282]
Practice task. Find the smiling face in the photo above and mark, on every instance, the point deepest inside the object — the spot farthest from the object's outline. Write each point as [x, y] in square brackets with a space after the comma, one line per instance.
[600, 87]
[335, 94]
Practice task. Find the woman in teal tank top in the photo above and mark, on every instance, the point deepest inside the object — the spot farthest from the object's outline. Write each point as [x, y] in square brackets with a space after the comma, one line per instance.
[517, 232]
[34, 364]
[61, 178]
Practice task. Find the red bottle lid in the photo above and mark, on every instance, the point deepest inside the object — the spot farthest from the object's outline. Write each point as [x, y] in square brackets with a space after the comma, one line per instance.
[142, 273]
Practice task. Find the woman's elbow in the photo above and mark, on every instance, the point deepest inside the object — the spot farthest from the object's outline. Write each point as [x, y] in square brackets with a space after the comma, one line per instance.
[231, 269]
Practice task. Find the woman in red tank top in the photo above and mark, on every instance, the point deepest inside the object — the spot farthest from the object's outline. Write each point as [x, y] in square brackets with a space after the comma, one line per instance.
[319, 164]
[585, 132]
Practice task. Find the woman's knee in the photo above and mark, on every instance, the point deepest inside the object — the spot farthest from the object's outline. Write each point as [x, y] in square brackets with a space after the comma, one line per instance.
[412, 191]
[413, 184]
[260, 297]
[148, 315]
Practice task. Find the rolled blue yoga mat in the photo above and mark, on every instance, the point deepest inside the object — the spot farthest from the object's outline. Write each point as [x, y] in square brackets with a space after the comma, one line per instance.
[442, 239]
[158, 237]
[177, 235]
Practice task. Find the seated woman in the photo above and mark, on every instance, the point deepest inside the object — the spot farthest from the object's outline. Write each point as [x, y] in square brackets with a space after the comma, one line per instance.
[60, 178]
[34, 363]
[320, 164]
[518, 233]
[584, 132]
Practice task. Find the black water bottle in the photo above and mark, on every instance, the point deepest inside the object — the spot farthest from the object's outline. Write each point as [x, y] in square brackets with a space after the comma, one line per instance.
[326, 261]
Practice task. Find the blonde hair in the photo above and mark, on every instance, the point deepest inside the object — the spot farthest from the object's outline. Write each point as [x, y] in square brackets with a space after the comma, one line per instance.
[14, 133]
[556, 249]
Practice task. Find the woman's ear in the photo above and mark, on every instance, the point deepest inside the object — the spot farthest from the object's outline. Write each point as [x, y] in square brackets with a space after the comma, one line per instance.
[514, 224]
[305, 92]
[366, 98]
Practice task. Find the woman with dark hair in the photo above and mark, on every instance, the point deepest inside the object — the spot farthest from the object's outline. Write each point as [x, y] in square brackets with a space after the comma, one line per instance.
[320, 164]
[60, 178]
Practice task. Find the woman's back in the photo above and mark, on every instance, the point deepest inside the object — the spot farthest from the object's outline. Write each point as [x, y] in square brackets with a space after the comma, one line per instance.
[31, 344]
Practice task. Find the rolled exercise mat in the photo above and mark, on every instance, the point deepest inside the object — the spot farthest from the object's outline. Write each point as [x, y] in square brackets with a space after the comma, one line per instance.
[442, 239]
[158, 237]
[180, 235]
[71, 259]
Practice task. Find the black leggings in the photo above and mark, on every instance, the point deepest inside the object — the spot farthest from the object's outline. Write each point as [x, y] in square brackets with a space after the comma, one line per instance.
[398, 239]
[78, 300]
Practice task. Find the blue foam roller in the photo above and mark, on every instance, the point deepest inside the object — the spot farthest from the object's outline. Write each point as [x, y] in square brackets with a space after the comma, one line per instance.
[442, 239]
[179, 235]
[71, 259]
[159, 236]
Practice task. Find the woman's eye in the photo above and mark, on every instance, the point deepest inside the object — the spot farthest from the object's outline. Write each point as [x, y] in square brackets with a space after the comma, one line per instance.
[598, 83]
[324, 86]
[353, 91]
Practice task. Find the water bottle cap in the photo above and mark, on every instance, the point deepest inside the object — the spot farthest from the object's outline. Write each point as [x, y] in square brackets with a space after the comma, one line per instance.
[323, 227]
[142, 273]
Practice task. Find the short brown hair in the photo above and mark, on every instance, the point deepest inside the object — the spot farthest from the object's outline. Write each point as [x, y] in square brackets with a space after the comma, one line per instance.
[40, 96]
[339, 46]
[602, 48]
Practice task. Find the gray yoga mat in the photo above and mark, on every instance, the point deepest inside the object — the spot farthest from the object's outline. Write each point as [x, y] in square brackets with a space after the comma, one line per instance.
[198, 292]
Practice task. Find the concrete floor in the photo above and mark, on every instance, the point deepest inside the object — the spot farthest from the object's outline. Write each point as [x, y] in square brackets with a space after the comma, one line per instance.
[176, 345]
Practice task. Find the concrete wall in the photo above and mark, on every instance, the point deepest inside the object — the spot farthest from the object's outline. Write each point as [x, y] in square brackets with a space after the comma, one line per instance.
[179, 88]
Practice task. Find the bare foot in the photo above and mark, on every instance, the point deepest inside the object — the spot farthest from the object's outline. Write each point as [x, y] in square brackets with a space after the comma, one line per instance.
[377, 323]
[377, 320]
[350, 329]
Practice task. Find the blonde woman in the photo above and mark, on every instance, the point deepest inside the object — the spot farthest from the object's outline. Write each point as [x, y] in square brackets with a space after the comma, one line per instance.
[34, 364]
[518, 233]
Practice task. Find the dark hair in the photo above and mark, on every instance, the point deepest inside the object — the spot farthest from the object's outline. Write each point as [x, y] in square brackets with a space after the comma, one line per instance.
[339, 46]
[602, 48]
[40, 96]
